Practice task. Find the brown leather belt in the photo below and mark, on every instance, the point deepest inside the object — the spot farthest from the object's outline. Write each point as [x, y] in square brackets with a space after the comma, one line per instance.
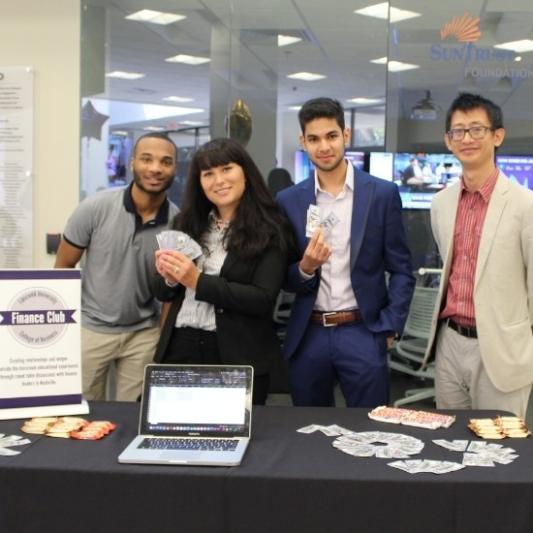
[465, 331]
[336, 318]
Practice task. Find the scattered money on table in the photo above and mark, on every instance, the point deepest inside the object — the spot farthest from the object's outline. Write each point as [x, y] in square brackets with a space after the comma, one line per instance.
[9, 441]
[379, 444]
[419, 466]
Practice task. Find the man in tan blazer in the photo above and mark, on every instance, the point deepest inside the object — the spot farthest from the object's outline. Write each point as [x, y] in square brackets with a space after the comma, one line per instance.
[483, 226]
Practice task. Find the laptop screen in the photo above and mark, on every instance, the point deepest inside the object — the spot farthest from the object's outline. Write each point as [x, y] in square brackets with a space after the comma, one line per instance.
[186, 400]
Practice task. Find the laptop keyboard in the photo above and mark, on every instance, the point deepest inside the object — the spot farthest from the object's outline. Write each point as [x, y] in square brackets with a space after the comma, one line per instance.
[221, 445]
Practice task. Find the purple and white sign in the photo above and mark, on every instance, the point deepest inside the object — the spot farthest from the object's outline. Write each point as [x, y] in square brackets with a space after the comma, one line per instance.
[40, 360]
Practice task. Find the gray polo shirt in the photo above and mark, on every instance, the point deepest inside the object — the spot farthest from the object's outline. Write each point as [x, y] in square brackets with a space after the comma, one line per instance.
[119, 260]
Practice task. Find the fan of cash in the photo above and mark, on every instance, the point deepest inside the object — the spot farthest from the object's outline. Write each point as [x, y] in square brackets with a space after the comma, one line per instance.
[179, 241]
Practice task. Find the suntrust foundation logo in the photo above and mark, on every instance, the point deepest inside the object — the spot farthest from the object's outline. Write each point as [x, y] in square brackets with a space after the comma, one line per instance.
[37, 317]
[464, 29]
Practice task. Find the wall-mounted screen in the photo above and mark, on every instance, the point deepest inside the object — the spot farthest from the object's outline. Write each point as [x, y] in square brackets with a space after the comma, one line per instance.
[420, 176]
[304, 168]
[517, 168]
[381, 165]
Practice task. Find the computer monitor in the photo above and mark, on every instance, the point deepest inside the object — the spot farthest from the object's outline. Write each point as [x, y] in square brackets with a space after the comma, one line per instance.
[304, 168]
[381, 165]
[517, 168]
[420, 176]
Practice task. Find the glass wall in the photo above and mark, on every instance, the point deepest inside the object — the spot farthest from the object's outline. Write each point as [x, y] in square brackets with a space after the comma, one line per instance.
[205, 68]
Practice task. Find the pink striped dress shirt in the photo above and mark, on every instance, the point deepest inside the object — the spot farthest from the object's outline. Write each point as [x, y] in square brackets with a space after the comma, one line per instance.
[470, 217]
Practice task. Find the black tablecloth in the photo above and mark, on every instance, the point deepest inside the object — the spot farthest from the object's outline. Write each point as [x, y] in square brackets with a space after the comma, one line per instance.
[288, 482]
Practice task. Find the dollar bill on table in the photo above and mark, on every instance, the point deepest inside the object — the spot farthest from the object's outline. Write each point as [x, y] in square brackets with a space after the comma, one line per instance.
[9, 441]
[313, 220]
[494, 452]
[179, 241]
[429, 466]
[333, 430]
[452, 445]
[477, 459]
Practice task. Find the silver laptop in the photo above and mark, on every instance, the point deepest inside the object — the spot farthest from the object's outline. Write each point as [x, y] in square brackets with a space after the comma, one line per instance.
[193, 415]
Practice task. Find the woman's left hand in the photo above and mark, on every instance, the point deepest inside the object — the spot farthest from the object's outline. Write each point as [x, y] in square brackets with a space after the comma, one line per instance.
[180, 267]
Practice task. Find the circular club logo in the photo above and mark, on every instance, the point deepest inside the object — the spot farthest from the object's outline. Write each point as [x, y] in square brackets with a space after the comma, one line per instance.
[37, 317]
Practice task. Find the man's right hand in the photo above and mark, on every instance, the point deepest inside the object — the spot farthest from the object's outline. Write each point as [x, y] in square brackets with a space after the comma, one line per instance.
[316, 253]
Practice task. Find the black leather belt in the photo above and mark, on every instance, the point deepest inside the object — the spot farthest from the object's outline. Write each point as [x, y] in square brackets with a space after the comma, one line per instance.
[336, 318]
[465, 331]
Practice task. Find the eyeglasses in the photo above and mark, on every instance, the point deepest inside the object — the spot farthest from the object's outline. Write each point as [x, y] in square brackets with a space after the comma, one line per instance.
[476, 132]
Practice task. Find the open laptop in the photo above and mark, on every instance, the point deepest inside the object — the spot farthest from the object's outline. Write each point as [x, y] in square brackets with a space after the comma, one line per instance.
[193, 415]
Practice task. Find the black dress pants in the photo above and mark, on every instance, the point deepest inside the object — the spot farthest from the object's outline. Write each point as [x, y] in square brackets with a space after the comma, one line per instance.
[199, 347]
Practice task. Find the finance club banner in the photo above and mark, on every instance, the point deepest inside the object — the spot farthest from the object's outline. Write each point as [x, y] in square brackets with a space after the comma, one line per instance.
[40, 351]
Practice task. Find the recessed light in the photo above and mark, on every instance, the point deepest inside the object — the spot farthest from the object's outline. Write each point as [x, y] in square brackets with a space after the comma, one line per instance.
[518, 58]
[188, 60]
[178, 99]
[284, 40]
[125, 75]
[295, 107]
[365, 101]
[155, 17]
[381, 11]
[524, 45]
[119, 132]
[394, 66]
[191, 122]
[306, 76]
[154, 128]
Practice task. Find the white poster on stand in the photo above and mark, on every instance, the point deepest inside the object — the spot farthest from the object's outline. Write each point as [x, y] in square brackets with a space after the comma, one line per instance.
[16, 154]
[40, 359]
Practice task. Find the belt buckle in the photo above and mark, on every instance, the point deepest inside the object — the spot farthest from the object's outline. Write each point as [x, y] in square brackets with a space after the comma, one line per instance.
[324, 319]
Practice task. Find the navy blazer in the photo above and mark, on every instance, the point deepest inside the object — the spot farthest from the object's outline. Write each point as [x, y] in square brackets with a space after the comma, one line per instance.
[243, 295]
[378, 246]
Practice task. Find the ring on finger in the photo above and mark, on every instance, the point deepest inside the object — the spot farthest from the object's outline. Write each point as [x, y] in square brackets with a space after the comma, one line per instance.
[176, 269]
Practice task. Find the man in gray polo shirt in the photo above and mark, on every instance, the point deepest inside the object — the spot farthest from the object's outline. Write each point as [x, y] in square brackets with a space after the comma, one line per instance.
[117, 231]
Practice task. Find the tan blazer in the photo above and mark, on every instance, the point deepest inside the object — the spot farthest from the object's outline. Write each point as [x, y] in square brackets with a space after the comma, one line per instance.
[503, 289]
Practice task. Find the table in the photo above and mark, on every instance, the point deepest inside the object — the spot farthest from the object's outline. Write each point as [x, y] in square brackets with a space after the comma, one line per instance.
[288, 482]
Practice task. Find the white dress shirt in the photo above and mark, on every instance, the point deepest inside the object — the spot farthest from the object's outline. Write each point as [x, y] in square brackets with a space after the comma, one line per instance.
[335, 292]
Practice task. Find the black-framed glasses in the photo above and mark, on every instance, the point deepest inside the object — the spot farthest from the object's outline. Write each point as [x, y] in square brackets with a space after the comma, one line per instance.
[476, 132]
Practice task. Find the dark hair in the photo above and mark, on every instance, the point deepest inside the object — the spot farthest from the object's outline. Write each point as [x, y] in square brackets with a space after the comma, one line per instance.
[321, 108]
[258, 222]
[467, 102]
[157, 135]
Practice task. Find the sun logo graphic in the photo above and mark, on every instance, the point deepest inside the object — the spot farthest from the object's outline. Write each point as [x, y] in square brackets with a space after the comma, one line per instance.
[465, 29]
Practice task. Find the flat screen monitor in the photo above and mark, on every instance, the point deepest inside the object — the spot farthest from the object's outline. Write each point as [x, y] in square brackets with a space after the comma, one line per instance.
[517, 168]
[304, 168]
[381, 165]
[420, 176]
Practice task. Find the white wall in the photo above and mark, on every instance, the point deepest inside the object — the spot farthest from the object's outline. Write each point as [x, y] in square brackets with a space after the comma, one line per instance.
[46, 36]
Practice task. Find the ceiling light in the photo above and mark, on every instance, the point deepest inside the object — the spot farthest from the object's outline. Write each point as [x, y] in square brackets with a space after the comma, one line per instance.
[188, 60]
[524, 45]
[155, 17]
[154, 128]
[518, 58]
[284, 40]
[191, 122]
[394, 66]
[305, 76]
[381, 11]
[119, 132]
[125, 75]
[178, 99]
[295, 107]
[365, 101]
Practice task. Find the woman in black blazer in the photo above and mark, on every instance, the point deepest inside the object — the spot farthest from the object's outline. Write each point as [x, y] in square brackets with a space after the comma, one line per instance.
[221, 311]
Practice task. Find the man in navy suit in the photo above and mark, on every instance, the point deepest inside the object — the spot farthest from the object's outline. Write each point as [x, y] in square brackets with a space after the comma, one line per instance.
[346, 313]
